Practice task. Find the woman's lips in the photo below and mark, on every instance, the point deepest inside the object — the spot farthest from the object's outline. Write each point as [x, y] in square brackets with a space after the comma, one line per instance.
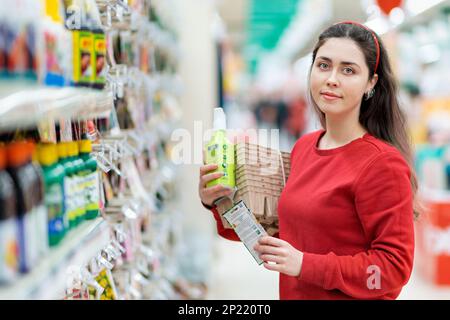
[329, 97]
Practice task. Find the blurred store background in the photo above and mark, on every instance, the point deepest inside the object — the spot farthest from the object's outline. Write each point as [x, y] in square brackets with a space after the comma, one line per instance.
[115, 82]
[264, 49]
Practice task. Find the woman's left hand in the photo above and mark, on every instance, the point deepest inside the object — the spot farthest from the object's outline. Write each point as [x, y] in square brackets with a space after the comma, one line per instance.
[287, 259]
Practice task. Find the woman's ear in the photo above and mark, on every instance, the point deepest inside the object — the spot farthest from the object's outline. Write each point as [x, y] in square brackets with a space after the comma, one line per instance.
[372, 83]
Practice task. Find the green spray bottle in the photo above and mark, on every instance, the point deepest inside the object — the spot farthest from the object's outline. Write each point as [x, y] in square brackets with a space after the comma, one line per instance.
[78, 167]
[220, 151]
[54, 175]
[90, 180]
[69, 191]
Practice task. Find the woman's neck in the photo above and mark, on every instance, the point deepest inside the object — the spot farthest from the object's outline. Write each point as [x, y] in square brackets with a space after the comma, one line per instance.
[339, 132]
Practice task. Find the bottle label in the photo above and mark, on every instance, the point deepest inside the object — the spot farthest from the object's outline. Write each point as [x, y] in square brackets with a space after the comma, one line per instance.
[54, 203]
[54, 200]
[80, 197]
[222, 154]
[100, 59]
[83, 46]
[92, 191]
[9, 250]
[70, 199]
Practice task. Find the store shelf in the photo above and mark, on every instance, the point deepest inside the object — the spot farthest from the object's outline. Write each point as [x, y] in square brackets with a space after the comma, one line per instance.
[48, 279]
[23, 108]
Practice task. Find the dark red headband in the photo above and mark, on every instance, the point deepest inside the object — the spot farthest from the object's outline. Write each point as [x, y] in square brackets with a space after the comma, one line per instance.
[375, 39]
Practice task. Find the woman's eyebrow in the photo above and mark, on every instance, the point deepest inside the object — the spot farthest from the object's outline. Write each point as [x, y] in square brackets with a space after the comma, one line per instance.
[343, 62]
[350, 63]
[325, 58]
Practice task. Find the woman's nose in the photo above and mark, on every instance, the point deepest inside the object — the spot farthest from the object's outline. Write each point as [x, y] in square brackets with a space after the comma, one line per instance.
[332, 80]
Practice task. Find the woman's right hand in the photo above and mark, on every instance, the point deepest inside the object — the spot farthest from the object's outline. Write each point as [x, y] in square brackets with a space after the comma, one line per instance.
[210, 194]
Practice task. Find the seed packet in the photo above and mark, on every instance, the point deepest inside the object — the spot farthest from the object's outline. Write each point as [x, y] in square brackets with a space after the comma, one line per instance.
[105, 280]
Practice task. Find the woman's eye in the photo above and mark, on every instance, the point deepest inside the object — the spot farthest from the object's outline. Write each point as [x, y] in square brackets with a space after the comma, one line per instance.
[348, 71]
[323, 65]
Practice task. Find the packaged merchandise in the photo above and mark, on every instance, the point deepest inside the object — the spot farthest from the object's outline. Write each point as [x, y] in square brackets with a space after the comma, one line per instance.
[81, 160]
[261, 174]
[57, 46]
[91, 183]
[80, 198]
[22, 172]
[18, 37]
[41, 220]
[433, 230]
[105, 280]
[54, 175]
[83, 57]
[99, 59]
[69, 184]
[246, 227]
[220, 151]
[9, 244]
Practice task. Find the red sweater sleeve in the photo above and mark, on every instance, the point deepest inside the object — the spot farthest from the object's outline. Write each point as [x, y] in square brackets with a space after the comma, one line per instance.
[221, 230]
[383, 200]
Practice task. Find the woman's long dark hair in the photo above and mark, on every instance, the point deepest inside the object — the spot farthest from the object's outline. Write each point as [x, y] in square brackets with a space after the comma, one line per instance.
[381, 115]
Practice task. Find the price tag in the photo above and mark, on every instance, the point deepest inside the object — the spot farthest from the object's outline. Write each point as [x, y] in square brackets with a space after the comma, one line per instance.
[65, 128]
[47, 131]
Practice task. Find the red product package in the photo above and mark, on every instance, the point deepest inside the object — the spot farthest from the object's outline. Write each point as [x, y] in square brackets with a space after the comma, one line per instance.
[433, 241]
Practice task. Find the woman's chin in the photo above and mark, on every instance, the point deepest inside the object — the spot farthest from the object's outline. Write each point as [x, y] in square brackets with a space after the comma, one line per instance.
[330, 108]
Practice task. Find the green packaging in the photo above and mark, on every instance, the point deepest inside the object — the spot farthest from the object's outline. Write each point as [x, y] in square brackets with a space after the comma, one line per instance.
[79, 213]
[90, 180]
[220, 151]
[69, 184]
[54, 175]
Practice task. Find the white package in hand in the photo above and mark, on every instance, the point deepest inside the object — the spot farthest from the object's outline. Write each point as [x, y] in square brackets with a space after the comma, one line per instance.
[246, 227]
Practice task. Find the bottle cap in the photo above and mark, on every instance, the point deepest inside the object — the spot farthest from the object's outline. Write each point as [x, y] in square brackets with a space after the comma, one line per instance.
[220, 122]
[33, 150]
[2, 158]
[53, 10]
[73, 148]
[85, 146]
[63, 151]
[18, 153]
[47, 154]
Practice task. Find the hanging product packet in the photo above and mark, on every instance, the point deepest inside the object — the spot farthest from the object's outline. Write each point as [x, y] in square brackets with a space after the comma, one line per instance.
[246, 227]
[105, 280]
[99, 61]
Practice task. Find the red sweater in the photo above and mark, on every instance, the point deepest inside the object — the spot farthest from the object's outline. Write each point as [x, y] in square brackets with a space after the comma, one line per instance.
[349, 210]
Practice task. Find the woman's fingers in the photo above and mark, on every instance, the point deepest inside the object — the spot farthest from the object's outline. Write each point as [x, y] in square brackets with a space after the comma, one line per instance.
[211, 194]
[207, 168]
[216, 189]
[272, 267]
[271, 258]
[210, 177]
[271, 241]
[225, 193]
[268, 250]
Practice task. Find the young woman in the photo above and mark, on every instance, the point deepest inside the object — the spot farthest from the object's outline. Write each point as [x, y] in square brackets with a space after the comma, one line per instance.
[346, 213]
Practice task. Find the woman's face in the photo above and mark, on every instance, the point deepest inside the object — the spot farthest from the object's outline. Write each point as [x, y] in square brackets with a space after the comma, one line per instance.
[339, 77]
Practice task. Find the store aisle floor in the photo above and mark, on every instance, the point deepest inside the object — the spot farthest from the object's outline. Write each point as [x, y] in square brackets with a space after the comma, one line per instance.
[419, 288]
[235, 275]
